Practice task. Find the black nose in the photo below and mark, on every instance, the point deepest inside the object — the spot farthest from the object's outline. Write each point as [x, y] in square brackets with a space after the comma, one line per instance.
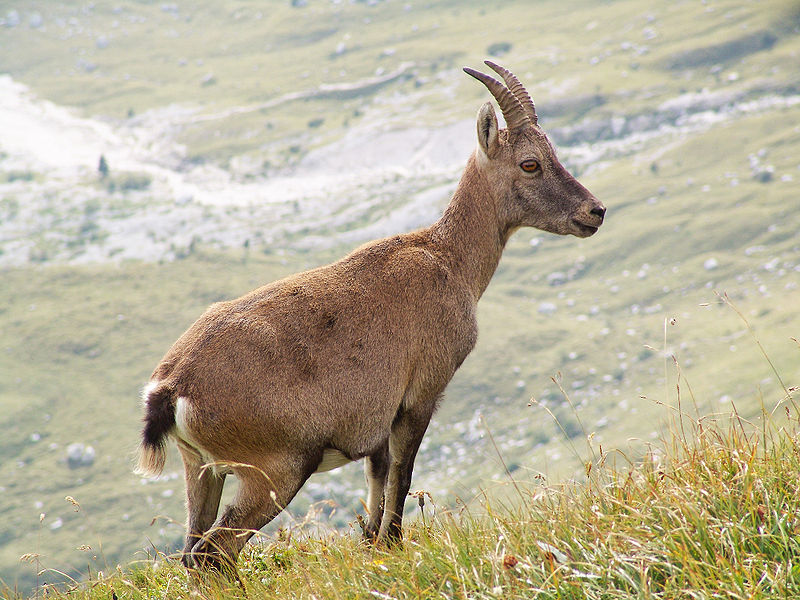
[600, 211]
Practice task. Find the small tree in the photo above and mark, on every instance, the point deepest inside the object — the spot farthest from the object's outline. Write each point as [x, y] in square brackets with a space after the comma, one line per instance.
[102, 167]
[499, 48]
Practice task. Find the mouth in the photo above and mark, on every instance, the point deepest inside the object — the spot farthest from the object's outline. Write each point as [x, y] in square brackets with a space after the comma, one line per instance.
[584, 229]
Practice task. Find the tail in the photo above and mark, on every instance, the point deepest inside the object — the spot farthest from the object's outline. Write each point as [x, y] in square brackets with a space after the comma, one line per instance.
[159, 419]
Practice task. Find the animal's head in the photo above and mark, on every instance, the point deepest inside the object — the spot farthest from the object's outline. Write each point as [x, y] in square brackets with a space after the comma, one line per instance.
[522, 168]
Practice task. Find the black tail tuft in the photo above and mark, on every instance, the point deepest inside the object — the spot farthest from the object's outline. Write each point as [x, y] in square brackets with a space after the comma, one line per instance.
[159, 420]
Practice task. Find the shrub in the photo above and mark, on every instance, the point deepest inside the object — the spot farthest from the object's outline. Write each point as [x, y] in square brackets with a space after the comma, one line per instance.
[499, 48]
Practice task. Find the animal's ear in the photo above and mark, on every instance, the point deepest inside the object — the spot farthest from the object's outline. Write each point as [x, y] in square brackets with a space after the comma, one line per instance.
[487, 130]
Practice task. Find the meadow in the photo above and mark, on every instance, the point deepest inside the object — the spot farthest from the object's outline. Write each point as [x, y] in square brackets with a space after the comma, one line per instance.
[709, 510]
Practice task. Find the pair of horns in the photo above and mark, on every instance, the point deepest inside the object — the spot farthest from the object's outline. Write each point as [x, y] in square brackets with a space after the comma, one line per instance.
[516, 104]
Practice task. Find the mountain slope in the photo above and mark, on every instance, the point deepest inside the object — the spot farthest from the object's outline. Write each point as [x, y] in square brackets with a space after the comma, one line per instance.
[681, 119]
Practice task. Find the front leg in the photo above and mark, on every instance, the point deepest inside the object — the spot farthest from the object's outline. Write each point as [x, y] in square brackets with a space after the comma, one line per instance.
[404, 440]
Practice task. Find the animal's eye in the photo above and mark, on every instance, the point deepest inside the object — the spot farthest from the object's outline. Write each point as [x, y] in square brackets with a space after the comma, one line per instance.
[529, 166]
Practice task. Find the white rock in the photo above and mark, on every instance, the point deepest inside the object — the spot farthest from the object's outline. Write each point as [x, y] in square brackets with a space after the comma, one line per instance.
[12, 18]
[547, 308]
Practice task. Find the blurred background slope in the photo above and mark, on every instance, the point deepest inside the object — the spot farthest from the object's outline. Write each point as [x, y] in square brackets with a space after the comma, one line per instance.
[242, 141]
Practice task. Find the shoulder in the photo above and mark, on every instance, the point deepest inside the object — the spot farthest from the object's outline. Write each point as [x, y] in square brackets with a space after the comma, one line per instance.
[400, 253]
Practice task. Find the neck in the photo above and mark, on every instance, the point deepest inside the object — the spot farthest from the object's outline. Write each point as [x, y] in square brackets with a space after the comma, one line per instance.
[470, 235]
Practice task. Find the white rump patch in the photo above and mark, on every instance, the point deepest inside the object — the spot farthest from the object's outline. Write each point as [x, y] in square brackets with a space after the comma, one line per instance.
[185, 438]
[181, 430]
[331, 459]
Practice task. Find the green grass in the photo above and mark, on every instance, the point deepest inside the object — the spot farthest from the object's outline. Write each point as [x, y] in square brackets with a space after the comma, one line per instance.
[709, 511]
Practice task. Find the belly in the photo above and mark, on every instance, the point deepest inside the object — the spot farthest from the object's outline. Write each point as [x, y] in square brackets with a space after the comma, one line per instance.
[331, 459]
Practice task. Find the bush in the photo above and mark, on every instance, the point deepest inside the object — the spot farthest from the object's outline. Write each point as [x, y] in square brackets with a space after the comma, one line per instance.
[19, 176]
[129, 182]
[499, 49]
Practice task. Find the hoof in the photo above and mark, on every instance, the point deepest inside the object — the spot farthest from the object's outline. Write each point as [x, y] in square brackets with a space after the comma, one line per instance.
[394, 536]
[370, 534]
[370, 538]
[206, 557]
[390, 539]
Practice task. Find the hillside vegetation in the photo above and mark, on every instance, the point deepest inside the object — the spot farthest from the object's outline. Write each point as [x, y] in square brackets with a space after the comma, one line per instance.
[710, 511]
[244, 144]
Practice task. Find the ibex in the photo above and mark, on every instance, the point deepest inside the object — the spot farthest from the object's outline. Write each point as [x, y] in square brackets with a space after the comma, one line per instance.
[349, 360]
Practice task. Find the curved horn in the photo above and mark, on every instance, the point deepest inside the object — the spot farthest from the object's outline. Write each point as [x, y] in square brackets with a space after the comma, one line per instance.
[516, 88]
[513, 112]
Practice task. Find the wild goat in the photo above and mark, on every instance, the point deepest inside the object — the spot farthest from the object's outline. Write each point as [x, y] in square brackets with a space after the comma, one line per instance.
[349, 360]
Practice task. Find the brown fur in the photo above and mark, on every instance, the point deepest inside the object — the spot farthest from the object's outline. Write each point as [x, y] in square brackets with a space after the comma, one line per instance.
[352, 356]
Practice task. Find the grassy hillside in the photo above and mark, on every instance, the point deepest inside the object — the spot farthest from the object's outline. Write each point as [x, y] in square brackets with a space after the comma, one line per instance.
[710, 511]
[682, 119]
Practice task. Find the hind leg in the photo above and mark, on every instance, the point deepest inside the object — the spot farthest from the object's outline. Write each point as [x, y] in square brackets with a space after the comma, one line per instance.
[263, 493]
[203, 493]
[376, 471]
